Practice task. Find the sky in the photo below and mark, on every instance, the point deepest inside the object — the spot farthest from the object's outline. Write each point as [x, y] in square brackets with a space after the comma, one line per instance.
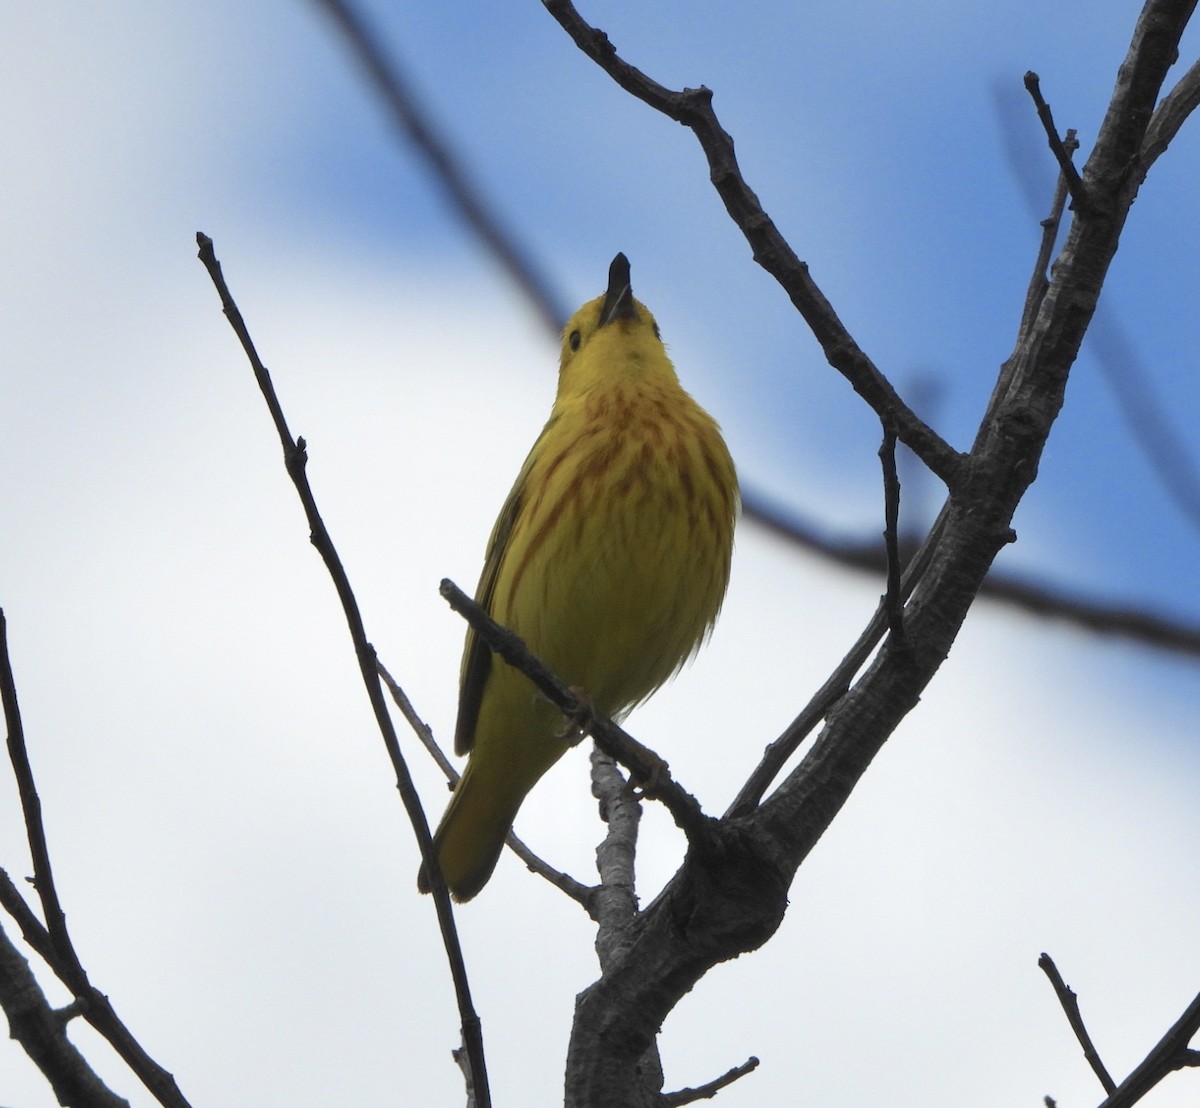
[235, 863]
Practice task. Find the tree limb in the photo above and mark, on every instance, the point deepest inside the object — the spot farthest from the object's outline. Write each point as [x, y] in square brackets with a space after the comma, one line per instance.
[645, 765]
[733, 904]
[1062, 155]
[710, 1088]
[43, 1034]
[693, 108]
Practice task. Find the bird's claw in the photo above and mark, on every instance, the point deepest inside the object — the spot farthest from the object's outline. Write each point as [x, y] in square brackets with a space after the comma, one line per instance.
[576, 725]
[650, 784]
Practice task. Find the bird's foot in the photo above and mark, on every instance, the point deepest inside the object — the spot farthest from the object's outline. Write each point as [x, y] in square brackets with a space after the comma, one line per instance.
[648, 785]
[576, 725]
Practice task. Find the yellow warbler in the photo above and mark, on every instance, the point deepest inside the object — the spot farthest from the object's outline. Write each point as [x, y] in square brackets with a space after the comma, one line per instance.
[610, 559]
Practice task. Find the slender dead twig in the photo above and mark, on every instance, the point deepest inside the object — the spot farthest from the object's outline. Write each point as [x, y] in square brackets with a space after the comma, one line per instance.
[419, 727]
[1039, 282]
[1070, 1006]
[710, 1089]
[836, 685]
[1080, 200]
[295, 460]
[893, 602]
[31, 809]
[1145, 416]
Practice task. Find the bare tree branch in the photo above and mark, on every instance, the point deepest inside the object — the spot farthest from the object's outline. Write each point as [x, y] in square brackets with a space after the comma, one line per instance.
[1070, 175]
[836, 685]
[295, 460]
[43, 1034]
[645, 765]
[735, 904]
[893, 600]
[710, 1089]
[1039, 282]
[616, 856]
[1133, 387]
[1070, 1006]
[693, 108]
[616, 903]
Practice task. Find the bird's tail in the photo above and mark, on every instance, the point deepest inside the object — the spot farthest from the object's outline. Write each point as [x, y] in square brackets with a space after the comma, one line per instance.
[471, 835]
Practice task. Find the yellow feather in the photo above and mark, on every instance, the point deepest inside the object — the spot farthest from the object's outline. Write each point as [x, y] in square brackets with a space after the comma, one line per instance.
[610, 559]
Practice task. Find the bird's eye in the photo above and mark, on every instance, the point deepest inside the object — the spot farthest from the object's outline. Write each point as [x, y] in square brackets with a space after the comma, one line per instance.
[573, 340]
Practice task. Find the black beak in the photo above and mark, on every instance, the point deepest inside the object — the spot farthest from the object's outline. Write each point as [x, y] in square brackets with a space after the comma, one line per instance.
[618, 300]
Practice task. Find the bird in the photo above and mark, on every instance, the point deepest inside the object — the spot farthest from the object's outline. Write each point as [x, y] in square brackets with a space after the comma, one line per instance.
[610, 558]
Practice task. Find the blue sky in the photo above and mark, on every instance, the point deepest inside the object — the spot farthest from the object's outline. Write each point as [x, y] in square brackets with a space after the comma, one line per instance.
[230, 848]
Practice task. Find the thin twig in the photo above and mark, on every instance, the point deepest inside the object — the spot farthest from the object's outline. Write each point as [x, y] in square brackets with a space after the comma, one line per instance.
[709, 1090]
[295, 460]
[835, 686]
[412, 120]
[1070, 1006]
[579, 892]
[1080, 201]
[643, 763]
[693, 108]
[1145, 416]
[419, 727]
[31, 809]
[1039, 281]
[562, 881]
[56, 945]
[33, 931]
[893, 602]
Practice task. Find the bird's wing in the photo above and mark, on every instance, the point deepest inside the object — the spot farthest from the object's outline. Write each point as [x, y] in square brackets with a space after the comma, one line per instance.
[477, 658]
